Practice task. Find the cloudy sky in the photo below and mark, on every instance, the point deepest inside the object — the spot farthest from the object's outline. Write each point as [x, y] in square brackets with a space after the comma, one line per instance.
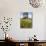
[29, 15]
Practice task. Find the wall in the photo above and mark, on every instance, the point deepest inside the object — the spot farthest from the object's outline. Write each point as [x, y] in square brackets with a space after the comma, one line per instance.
[13, 8]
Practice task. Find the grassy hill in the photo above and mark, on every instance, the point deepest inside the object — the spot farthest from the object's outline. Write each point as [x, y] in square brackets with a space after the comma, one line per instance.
[26, 23]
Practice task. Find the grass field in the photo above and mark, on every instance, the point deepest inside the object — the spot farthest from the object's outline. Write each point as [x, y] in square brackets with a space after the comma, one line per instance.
[26, 23]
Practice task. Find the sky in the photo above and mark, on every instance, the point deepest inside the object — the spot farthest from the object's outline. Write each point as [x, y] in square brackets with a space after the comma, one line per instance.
[30, 14]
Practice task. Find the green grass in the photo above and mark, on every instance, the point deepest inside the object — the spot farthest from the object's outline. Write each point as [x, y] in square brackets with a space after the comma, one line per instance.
[26, 23]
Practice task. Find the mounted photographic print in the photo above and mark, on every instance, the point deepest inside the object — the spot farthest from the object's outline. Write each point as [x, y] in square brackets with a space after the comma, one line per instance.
[26, 20]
